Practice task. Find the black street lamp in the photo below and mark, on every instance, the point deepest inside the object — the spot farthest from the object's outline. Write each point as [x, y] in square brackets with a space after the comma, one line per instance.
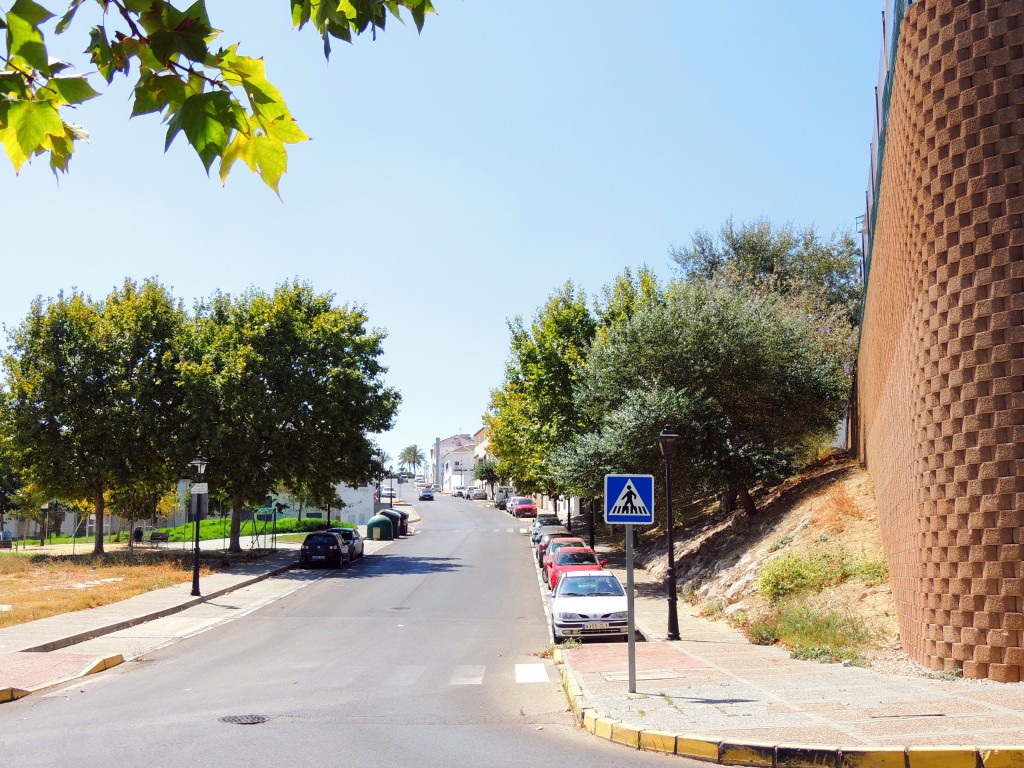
[391, 486]
[667, 442]
[199, 465]
[42, 527]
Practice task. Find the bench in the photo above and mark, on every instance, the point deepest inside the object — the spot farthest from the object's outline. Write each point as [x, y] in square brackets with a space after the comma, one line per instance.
[6, 544]
[157, 536]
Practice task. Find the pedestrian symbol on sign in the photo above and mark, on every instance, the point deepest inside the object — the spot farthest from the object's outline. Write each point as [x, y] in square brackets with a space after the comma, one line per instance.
[629, 502]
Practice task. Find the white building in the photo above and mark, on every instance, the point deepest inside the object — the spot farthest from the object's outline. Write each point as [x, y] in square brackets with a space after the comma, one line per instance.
[451, 460]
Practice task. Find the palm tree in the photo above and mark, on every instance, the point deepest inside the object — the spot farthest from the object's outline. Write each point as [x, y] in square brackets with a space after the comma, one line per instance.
[412, 456]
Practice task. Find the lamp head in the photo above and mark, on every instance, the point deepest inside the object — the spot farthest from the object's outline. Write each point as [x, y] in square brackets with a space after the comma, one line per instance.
[667, 441]
[199, 464]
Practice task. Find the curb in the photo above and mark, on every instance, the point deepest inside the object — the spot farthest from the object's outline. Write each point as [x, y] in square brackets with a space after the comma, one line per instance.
[101, 664]
[769, 755]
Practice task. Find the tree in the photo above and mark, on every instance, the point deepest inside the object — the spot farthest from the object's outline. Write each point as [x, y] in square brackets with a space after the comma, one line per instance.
[745, 377]
[486, 471]
[92, 400]
[10, 487]
[220, 100]
[412, 457]
[534, 411]
[284, 389]
[793, 262]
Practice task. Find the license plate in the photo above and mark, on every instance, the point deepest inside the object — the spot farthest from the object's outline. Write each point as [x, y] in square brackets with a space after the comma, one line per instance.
[319, 557]
[597, 625]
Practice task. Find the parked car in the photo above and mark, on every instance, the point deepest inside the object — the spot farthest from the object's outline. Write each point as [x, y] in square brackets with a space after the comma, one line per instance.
[542, 519]
[458, 490]
[524, 508]
[571, 559]
[588, 604]
[426, 494]
[436, 487]
[324, 548]
[353, 538]
[502, 494]
[554, 544]
[387, 492]
[477, 494]
[548, 532]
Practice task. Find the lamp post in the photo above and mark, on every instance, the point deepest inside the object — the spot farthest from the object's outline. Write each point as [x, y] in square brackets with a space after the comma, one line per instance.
[42, 527]
[667, 442]
[391, 486]
[199, 491]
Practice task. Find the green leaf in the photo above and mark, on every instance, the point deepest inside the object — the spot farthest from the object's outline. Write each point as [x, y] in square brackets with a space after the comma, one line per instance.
[300, 13]
[206, 119]
[65, 20]
[24, 40]
[286, 130]
[270, 156]
[173, 32]
[154, 93]
[28, 125]
[73, 89]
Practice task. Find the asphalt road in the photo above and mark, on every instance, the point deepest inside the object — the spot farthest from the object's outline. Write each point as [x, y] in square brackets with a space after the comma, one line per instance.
[423, 655]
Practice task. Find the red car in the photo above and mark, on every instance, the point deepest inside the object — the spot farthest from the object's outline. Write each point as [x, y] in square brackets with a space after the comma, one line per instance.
[523, 508]
[553, 545]
[573, 559]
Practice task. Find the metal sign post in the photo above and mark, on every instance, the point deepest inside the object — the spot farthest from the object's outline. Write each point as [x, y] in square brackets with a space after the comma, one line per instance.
[630, 616]
[629, 501]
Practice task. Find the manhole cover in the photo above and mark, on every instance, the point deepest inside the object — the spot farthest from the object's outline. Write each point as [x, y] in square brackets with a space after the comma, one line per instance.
[244, 719]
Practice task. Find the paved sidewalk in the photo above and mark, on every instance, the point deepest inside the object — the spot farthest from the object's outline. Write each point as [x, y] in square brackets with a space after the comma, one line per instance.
[713, 695]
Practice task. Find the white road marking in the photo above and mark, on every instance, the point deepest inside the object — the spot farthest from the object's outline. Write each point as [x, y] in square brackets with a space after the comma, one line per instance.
[531, 673]
[403, 676]
[468, 674]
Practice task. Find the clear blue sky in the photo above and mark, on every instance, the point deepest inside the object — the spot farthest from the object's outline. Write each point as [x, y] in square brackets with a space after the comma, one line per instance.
[458, 177]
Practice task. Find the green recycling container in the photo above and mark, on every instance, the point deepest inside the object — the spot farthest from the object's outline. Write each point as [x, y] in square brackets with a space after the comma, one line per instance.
[379, 528]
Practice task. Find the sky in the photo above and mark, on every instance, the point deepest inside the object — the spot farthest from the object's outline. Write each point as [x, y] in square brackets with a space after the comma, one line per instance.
[457, 178]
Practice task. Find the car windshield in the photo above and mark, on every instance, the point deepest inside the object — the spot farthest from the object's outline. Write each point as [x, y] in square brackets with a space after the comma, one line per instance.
[347, 535]
[577, 558]
[546, 520]
[596, 586]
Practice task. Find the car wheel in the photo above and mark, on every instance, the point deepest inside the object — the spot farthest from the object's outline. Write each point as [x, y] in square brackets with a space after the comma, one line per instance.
[554, 636]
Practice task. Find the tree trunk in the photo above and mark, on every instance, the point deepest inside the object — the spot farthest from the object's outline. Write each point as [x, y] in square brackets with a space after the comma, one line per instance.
[727, 501]
[97, 506]
[237, 502]
[748, 503]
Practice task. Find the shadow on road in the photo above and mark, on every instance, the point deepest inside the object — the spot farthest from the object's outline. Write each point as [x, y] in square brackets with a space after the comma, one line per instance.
[382, 563]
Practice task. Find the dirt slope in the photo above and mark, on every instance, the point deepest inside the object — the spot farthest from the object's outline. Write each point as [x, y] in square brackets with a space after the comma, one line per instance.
[829, 506]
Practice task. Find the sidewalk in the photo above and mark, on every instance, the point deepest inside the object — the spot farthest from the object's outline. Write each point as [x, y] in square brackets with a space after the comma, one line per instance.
[40, 654]
[713, 695]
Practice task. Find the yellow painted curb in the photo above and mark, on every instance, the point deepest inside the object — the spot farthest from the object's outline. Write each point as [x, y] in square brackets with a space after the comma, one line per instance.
[752, 753]
[873, 757]
[626, 734]
[590, 720]
[806, 756]
[556, 656]
[1002, 757]
[941, 757]
[660, 741]
[697, 746]
[10, 694]
[603, 727]
[105, 663]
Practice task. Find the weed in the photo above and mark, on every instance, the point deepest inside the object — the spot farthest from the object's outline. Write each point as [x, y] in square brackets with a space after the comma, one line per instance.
[642, 712]
[835, 510]
[814, 635]
[667, 698]
[793, 573]
[762, 632]
[780, 542]
[713, 609]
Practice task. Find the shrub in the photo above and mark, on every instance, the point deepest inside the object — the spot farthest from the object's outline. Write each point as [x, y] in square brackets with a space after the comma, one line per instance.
[812, 634]
[762, 632]
[794, 573]
[779, 543]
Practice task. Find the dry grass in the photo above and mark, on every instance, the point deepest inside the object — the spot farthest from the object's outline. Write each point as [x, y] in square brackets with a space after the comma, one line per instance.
[38, 586]
[835, 509]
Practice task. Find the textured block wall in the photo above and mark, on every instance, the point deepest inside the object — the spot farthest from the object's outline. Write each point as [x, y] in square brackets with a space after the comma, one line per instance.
[941, 368]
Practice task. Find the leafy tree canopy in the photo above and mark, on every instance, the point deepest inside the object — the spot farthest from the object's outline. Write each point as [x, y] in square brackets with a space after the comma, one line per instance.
[787, 260]
[220, 100]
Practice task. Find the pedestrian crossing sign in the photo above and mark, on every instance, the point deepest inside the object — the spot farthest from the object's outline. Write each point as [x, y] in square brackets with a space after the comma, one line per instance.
[629, 499]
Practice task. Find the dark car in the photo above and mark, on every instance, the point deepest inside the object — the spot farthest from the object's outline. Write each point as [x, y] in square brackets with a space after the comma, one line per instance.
[426, 494]
[353, 538]
[325, 548]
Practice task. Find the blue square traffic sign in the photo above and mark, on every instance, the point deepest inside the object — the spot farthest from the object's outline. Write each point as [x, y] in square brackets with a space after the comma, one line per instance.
[629, 499]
